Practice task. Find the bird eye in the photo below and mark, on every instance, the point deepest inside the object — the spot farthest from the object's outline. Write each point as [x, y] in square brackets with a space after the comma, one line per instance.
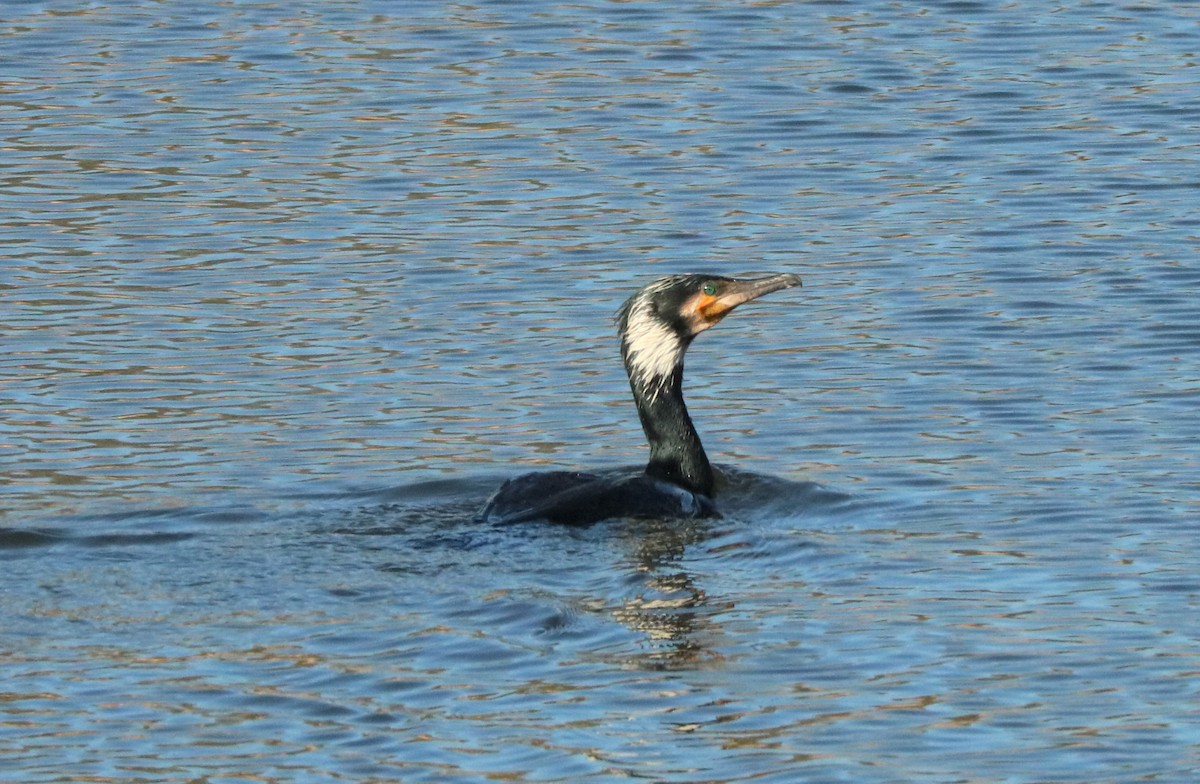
[710, 289]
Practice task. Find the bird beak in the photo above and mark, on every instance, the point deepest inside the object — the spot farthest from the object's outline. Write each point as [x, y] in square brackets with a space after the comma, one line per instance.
[739, 292]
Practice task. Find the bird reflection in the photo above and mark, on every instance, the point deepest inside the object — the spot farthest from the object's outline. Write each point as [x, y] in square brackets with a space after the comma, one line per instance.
[672, 610]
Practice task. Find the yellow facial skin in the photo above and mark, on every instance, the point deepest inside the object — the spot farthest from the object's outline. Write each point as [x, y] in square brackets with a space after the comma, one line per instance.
[707, 309]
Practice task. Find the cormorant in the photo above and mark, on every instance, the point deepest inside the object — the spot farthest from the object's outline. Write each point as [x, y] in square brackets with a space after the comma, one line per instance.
[656, 325]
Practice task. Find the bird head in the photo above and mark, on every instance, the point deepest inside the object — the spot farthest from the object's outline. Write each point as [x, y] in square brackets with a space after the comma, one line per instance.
[658, 323]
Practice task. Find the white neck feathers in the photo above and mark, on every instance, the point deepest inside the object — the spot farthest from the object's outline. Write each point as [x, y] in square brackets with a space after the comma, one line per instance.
[652, 349]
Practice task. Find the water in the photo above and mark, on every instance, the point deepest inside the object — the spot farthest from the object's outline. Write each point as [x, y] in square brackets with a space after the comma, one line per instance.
[288, 291]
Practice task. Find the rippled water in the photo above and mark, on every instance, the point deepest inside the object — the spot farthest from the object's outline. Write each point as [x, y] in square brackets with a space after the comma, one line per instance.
[288, 291]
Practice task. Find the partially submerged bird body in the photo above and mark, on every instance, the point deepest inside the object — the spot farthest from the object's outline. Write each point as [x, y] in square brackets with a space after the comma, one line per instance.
[583, 497]
[656, 325]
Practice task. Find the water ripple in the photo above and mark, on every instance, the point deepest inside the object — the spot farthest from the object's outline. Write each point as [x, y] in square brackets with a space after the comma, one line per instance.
[289, 291]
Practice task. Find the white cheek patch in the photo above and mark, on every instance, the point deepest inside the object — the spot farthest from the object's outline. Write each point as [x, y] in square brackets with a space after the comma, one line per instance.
[653, 349]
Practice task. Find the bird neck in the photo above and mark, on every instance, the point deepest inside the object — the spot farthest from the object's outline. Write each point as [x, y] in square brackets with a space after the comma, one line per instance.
[676, 454]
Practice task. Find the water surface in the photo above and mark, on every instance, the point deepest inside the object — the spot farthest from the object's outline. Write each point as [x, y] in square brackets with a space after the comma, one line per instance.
[288, 291]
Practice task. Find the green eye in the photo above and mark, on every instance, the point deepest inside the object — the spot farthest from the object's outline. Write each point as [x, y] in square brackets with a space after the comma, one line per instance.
[710, 289]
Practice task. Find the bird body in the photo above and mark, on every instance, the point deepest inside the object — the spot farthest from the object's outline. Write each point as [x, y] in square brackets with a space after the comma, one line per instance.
[656, 326]
[581, 498]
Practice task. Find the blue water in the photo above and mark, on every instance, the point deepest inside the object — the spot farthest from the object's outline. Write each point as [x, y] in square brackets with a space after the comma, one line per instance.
[288, 291]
